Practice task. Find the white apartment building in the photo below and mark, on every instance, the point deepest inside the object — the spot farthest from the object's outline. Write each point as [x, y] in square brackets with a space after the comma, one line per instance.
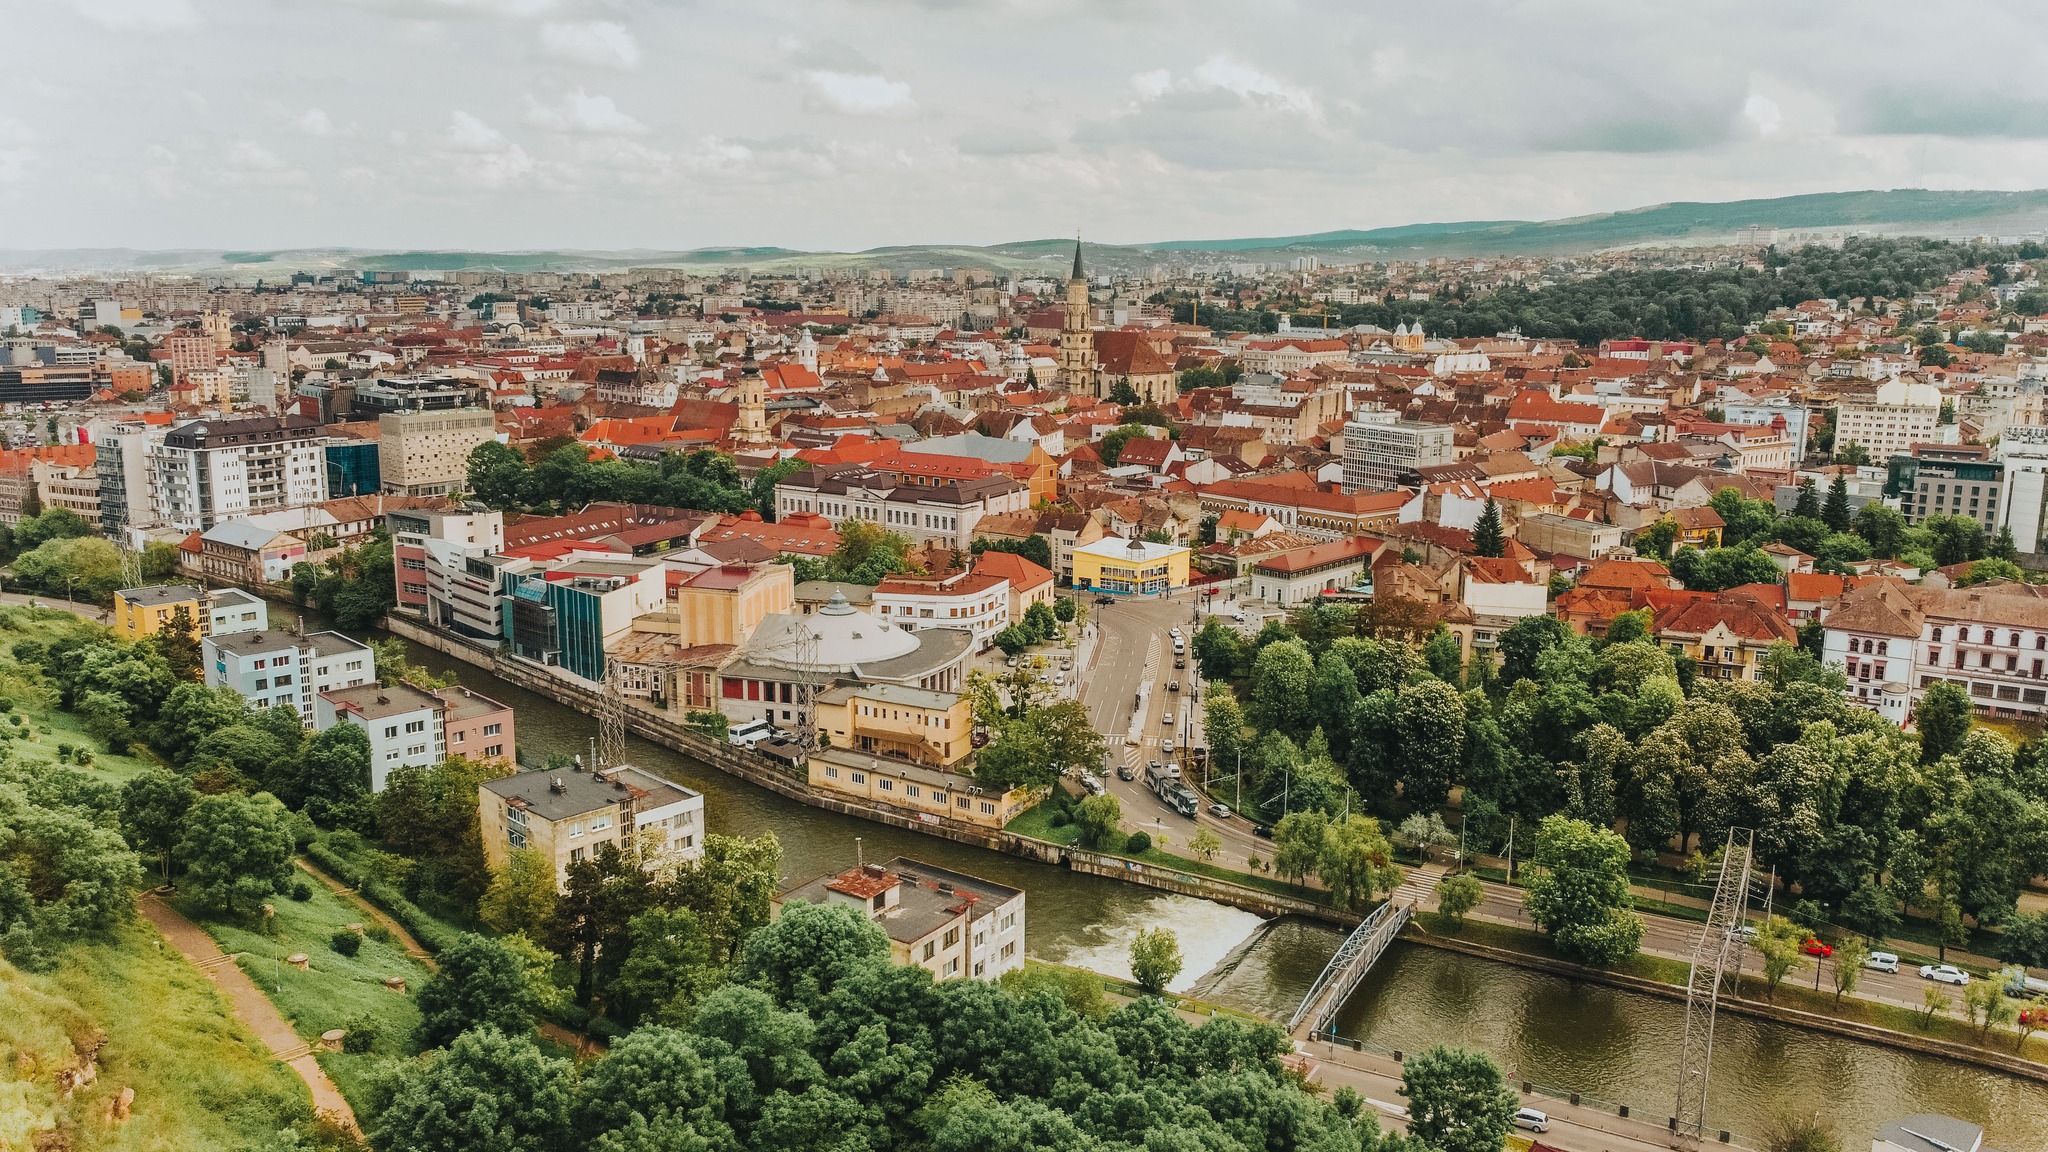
[205, 471]
[970, 600]
[447, 568]
[945, 512]
[403, 724]
[427, 453]
[231, 610]
[1900, 414]
[270, 668]
[2024, 452]
[122, 461]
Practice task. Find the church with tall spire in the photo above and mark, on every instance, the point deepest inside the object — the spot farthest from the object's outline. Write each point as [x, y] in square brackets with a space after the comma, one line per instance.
[1112, 362]
[1077, 334]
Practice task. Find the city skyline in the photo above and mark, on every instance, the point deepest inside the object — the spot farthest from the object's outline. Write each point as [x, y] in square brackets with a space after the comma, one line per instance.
[565, 123]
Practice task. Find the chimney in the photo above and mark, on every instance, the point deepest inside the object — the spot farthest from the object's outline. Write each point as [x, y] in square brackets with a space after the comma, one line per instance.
[557, 786]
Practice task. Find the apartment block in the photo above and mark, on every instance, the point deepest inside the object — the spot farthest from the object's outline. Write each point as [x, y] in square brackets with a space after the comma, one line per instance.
[949, 923]
[205, 471]
[270, 668]
[1380, 449]
[427, 453]
[566, 816]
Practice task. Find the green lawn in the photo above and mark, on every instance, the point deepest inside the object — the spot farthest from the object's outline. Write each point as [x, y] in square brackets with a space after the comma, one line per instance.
[44, 728]
[1036, 822]
[334, 988]
[201, 1080]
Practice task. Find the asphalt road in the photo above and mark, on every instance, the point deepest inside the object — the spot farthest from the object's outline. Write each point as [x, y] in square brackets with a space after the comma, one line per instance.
[1674, 939]
[1126, 691]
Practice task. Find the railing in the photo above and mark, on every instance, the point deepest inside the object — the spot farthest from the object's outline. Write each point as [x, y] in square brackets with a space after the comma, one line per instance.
[1341, 976]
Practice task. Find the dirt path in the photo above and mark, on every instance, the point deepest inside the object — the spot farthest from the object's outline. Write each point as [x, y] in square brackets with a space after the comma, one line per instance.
[582, 1045]
[249, 1003]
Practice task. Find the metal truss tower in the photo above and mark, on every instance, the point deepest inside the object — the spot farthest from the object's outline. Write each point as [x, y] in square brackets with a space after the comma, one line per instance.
[1716, 955]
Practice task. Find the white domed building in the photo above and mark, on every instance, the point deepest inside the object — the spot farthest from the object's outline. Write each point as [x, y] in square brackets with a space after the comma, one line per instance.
[836, 644]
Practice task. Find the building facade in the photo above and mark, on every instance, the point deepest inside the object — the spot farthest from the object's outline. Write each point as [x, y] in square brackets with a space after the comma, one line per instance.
[270, 669]
[1380, 449]
[567, 816]
[950, 924]
[206, 471]
[427, 453]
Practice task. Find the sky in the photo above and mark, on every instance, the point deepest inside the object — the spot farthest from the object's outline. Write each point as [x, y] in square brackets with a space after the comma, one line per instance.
[671, 124]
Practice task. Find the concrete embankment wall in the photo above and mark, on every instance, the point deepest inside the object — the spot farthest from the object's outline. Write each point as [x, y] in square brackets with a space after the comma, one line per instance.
[759, 770]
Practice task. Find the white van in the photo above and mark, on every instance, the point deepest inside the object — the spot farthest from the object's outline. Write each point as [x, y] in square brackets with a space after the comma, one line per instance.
[1531, 1120]
[749, 734]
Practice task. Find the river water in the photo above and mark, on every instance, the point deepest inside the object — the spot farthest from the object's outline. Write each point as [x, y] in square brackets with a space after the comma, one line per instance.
[1605, 1043]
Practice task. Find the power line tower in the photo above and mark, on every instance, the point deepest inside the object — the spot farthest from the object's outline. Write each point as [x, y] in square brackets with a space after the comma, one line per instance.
[1715, 955]
[806, 689]
[611, 717]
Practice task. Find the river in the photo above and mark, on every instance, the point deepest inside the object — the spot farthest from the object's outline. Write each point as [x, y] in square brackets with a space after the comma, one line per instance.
[1606, 1043]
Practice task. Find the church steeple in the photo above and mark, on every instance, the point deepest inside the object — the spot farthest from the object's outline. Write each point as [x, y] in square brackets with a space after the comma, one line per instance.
[1078, 274]
[1077, 335]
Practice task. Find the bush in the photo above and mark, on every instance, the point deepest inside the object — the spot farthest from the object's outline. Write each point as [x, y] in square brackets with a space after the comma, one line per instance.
[85, 757]
[381, 934]
[301, 891]
[345, 941]
[605, 1028]
[1059, 818]
[360, 1034]
[65, 752]
[1139, 843]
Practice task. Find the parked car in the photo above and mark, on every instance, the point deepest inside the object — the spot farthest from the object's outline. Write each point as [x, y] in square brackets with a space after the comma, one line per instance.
[1531, 1120]
[1817, 947]
[1094, 786]
[2026, 987]
[1238, 616]
[1059, 679]
[1126, 772]
[1944, 974]
[1174, 631]
[1881, 962]
[1747, 932]
[1220, 811]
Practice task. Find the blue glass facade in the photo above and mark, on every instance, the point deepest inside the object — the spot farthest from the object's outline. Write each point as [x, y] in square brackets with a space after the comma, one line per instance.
[352, 468]
[556, 622]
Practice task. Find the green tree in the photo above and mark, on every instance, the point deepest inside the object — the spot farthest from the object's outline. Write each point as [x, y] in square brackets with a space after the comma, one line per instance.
[670, 967]
[1280, 681]
[1298, 843]
[1205, 843]
[1457, 895]
[63, 875]
[1444, 656]
[486, 1090]
[429, 814]
[1943, 719]
[1835, 511]
[1778, 941]
[1717, 569]
[1807, 504]
[1580, 892]
[1218, 649]
[1430, 720]
[190, 712]
[478, 982]
[1223, 723]
[1882, 527]
[178, 642]
[330, 778]
[1847, 964]
[1458, 1101]
[521, 896]
[601, 895]
[1155, 959]
[1356, 862]
[237, 850]
[1987, 1004]
[808, 950]
[1098, 818]
[731, 888]
[1487, 537]
[2025, 940]
[153, 808]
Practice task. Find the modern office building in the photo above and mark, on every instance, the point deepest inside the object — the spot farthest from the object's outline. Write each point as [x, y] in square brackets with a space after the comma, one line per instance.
[352, 467]
[1380, 448]
[426, 453]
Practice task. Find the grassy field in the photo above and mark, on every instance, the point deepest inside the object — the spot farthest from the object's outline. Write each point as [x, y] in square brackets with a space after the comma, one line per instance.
[44, 729]
[1036, 823]
[334, 991]
[200, 1079]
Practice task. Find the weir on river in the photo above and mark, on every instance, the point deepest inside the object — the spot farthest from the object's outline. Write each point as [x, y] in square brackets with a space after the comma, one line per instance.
[1604, 1042]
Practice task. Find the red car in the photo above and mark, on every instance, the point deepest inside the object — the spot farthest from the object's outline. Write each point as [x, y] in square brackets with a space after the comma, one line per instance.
[1814, 947]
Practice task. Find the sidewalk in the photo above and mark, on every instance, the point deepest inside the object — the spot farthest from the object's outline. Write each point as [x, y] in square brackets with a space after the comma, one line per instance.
[249, 1003]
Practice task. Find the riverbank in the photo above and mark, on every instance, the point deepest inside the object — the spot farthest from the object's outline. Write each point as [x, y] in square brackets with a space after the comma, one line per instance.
[1665, 979]
[1171, 875]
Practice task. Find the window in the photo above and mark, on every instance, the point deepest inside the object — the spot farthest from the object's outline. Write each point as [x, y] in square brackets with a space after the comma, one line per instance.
[860, 777]
[600, 823]
[416, 750]
[1009, 921]
[987, 808]
[952, 937]
[888, 785]
[283, 681]
[911, 790]
[460, 736]
[953, 966]
[1009, 950]
[391, 731]
[576, 828]
[495, 750]
[831, 773]
[931, 949]
[493, 729]
[262, 682]
[415, 726]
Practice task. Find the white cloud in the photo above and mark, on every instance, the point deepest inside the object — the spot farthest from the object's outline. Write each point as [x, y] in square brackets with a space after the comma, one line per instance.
[14, 164]
[470, 135]
[582, 114]
[139, 15]
[598, 43]
[860, 93]
[314, 122]
[249, 156]
[1231, 76]
[1764, 113]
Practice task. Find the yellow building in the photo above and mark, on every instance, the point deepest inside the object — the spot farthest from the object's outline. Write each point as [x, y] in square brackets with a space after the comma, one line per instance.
[923, 727]
[929, 793]
[1115, 564]
[140, 612]
[724, 605]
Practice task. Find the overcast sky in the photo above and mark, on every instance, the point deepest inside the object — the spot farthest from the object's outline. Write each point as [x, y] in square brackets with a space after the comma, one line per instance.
[682, 123]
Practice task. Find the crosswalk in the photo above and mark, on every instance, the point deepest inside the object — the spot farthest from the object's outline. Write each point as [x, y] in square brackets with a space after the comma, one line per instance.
[1418, 888]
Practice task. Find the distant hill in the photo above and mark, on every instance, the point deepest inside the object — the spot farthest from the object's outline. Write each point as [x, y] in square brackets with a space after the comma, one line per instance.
[1895, 212]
